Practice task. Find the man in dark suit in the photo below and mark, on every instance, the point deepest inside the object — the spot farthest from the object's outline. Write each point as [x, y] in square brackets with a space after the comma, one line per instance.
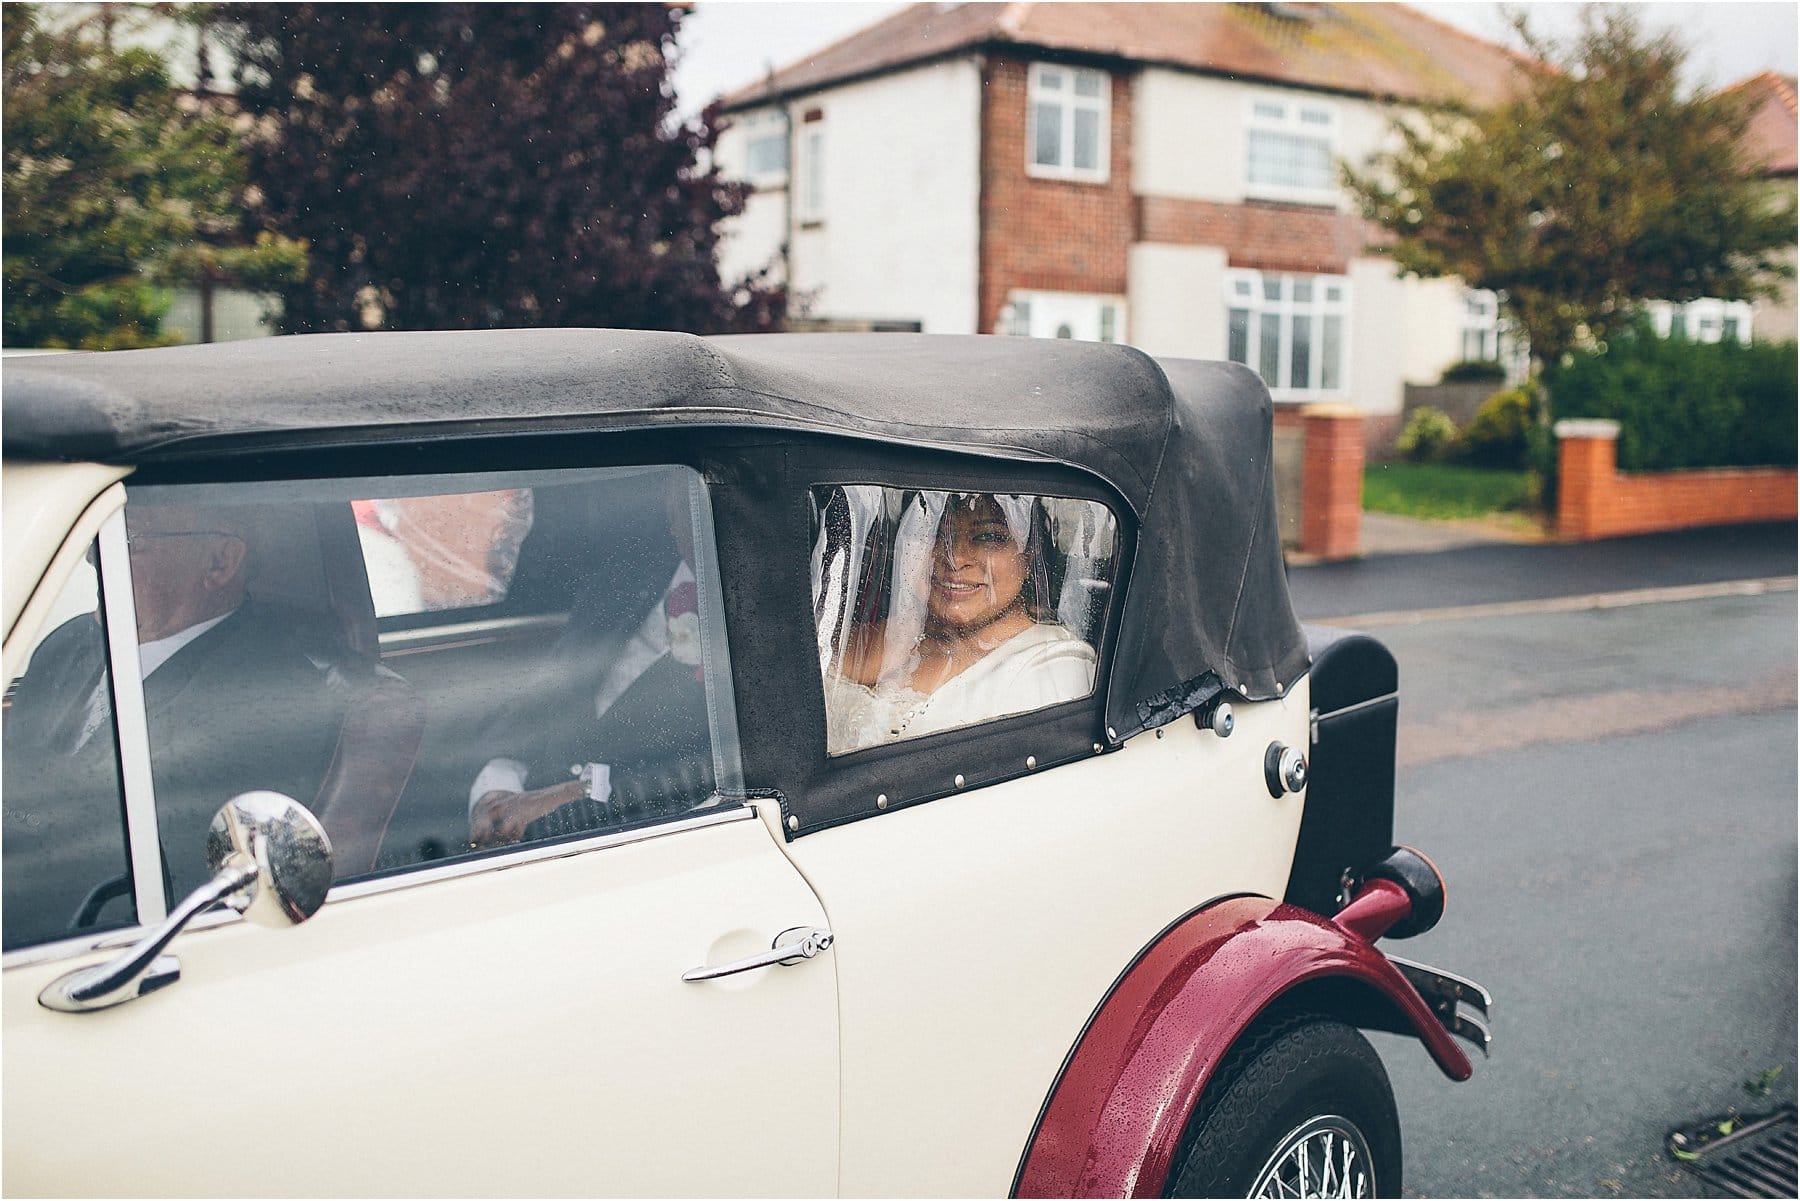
[627, 706]
[232, 702]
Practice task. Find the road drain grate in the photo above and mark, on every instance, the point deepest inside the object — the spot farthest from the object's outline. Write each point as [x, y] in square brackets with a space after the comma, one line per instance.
[1755, 1159]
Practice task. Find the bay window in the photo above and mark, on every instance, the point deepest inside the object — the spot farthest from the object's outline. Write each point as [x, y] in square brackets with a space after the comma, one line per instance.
[1293, 330]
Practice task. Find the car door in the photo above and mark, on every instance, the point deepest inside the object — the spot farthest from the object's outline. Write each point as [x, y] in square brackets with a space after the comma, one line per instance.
[455, 1020]
[1035, 872]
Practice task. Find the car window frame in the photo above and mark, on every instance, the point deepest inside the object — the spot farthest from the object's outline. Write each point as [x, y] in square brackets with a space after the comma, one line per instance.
[872, 781]
[131, 726]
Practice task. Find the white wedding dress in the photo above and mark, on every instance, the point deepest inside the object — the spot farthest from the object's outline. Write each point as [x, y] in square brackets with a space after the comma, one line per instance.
[1041, 665]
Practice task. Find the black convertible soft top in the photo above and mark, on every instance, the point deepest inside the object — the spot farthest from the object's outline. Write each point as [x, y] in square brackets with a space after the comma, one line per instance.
[1186, 444]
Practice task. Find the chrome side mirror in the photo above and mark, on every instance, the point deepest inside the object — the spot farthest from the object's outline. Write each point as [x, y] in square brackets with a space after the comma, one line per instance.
[271, 862]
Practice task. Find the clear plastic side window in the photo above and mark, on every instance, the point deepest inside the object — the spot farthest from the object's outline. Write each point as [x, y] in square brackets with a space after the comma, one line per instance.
[433, 665]
[939, 610]
[66, 869]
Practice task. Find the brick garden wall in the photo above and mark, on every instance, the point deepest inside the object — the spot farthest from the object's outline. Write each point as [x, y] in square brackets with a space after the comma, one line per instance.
[1595, 500]
[1052, 235]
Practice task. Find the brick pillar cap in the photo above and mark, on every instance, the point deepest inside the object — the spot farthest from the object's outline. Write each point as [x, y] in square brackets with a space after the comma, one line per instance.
[1587, 427]
[1331, 410]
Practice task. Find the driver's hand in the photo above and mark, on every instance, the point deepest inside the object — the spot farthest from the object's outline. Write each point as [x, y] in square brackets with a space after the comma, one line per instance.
[499, 818]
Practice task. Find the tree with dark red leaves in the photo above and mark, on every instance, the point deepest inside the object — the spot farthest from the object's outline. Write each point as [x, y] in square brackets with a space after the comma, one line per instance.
[466, 166]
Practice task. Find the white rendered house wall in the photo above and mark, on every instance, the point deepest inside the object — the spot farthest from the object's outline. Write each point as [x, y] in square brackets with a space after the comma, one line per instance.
[887, 181]
[751, 241]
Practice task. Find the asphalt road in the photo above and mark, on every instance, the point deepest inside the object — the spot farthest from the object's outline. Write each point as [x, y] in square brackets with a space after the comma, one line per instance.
[1508, 571]
[1611, 794]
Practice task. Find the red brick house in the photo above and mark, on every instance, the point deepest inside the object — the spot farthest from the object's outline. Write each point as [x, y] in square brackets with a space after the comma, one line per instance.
[1163, 174]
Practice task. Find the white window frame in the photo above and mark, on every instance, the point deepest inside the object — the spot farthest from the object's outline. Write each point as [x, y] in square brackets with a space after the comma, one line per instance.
[1703, 320]
[1022, 307]
[809, 179]
[1481, 321]
[1283, 310]
[1070, 103]
[760, 126]
[1297, 117]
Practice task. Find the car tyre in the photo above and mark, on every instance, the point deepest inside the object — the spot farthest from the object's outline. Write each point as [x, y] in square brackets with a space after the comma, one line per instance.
[1300, 1107]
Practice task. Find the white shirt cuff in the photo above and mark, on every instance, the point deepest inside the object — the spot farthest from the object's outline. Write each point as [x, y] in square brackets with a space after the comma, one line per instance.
[506, 775]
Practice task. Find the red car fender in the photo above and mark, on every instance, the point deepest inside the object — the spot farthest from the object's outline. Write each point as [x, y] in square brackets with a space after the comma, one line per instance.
[1114, 1117]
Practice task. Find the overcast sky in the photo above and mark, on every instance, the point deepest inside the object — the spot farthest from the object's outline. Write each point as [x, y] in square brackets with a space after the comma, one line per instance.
[728, 43]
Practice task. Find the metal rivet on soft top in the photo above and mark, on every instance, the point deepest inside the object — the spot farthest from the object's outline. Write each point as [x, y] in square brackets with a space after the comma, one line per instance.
[1278, 688]
[959, 780]
[1098, 748]
[1159, 731]
[881, 801]
[1111, 733]
[1031, 763]
[793, 823]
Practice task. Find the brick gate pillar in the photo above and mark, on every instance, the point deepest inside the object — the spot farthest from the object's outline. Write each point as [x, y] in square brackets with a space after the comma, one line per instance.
[1331, 482]
[1587, 463]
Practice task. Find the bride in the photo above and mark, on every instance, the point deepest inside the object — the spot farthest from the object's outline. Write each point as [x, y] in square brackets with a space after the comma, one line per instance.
[967, 641]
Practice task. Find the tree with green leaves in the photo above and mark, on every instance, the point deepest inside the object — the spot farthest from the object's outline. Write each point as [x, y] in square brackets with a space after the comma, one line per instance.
[1601, 185]
[117, 184]
[463, 166]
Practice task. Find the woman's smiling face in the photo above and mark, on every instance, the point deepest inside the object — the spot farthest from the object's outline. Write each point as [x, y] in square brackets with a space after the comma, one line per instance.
[978, 567]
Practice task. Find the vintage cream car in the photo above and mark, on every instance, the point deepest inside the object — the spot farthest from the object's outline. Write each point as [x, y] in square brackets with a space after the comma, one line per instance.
[804, 765]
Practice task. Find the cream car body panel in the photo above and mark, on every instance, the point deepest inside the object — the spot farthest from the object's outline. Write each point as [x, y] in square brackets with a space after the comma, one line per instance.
[517, 1030]
[970, 949]
[48, 515]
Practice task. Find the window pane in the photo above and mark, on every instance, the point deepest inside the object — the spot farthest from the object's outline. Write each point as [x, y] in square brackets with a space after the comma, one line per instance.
[813, 203]
[429, 553]
[1272, 287]
[1087, 140]
[433, 729]
[1269, 358]
[1109, 319]
[66, 870]
[1237, 337]
[1300, 354]
[767, 155]
[1268, 111]
[1314, 116]
[1047, 146]
[1289, 160]
[1303, 291]
[939, 610]
[1331, 353]
[1088, 83]
[1049, 79]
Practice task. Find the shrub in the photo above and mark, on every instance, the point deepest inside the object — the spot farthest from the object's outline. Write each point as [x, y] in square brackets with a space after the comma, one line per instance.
[1429, 434]
[1473, 370]
[1499, 433]
[1686, 404]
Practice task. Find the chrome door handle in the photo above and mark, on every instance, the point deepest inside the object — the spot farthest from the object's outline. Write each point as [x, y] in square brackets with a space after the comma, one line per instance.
[790, 947]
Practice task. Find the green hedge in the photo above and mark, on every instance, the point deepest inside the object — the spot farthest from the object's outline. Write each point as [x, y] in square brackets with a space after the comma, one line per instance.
[1686, 404]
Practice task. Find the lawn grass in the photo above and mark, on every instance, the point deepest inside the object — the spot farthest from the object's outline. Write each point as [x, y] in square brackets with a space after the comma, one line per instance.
[1442, 490]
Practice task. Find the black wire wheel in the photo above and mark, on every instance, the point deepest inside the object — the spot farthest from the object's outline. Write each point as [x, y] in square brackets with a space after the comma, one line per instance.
[1300, 1107]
